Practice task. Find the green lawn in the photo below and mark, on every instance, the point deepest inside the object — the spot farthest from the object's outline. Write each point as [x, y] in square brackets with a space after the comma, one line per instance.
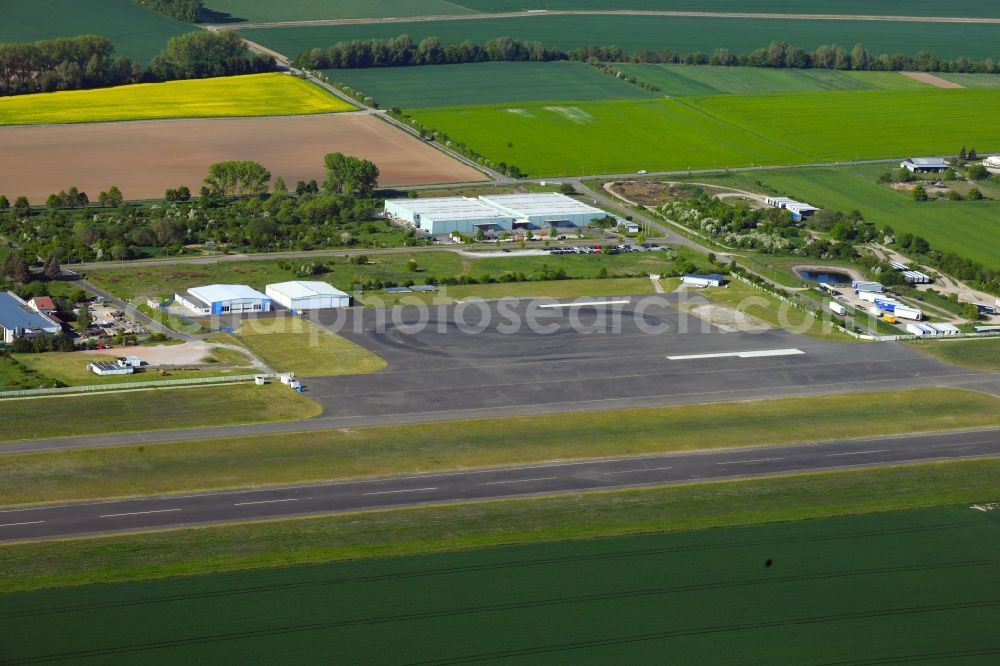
[543, 289]
[132, 411]
[360, 452]
[70, 368]
[679, 34]
[137, 32]
[290, 344]
[968, 228]
[15, 375]
[910, 583]
[721, 130]
[684, 80]
[371, 534]
[485, 83]
[981, 354]
[138, 282]
[260, 11]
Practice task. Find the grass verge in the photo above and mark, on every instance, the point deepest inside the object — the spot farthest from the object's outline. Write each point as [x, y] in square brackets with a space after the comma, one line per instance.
[289, 344]
[132, 411]
[313, 456]
[981, 354]
[28, 566]
[70, 368]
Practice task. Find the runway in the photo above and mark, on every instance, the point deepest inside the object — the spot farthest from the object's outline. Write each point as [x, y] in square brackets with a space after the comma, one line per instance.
[160, 512]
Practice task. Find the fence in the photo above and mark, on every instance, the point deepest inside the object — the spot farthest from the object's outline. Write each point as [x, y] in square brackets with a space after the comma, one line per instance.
[166, 383]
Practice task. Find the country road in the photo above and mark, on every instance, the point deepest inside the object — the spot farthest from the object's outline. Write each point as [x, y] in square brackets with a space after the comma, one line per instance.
[765, 16]
[77, 519]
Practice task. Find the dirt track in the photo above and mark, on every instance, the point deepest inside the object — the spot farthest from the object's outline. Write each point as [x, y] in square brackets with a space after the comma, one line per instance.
[931, 80]
[613, 12]
[145, 158]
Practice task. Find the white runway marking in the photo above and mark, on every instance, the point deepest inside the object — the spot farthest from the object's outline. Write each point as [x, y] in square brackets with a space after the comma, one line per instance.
[743, 462]
[33, 522]
[748, 354]
[138, 513]
[540, 478]
[293, 499]
[636, 471]
[412, 490]
[583, 305]
[856, 453]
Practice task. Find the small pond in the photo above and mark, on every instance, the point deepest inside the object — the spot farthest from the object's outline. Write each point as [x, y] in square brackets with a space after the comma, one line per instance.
[829, 277]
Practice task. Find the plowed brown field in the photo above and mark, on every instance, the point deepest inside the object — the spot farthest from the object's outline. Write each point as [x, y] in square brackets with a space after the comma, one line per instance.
[145, 158]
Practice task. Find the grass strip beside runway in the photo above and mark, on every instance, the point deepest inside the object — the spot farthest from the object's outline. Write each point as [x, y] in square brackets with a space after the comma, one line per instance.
[29, 566]
[436, 447]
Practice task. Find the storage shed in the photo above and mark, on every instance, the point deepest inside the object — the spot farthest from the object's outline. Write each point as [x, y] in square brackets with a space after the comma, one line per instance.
[307, 295]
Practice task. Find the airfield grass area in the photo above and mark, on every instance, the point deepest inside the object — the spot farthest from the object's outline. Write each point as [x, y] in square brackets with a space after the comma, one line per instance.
[289, 344]
[137, 32]
[70, 368]
[131, 411]
[970, 229]
[686, 80]
[369, 534]
[250, 95]
[360, 452]
[139, 282]
[903, 585]
[716, 131]
[681, 34]
[542, 289]
[486, 83]
[981, 354]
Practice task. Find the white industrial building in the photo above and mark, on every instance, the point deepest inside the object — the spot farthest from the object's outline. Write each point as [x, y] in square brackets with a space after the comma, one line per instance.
[19, 320]
[926, 329]
[502, 212]
[216, 299]
[306, 295]
[713, 280]
[924, 164]
[798, 209]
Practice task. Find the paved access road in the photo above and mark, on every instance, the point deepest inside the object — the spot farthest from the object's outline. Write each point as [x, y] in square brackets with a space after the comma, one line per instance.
[99, 517]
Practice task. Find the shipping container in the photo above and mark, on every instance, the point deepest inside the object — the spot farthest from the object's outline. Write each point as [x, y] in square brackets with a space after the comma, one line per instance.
[838, 308]
[906, 312]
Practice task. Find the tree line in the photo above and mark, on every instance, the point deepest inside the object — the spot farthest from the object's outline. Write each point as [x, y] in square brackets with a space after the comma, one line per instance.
[185, 10]
[402, 51]
[237, 206]
[88, 61]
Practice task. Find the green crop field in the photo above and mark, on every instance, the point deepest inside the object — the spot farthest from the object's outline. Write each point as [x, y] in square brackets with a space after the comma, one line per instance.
[722, 130]
[485, 83]
[137, 32]
[680, 34]
[968, 228]
[250, 95]
[685, 80]
[902, 585]
[984, 8]
[972, 80]
[228, 11]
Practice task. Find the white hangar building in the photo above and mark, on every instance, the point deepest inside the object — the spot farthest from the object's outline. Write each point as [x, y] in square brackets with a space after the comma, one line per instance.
[223, 299]
[501, 212]
[306, 295]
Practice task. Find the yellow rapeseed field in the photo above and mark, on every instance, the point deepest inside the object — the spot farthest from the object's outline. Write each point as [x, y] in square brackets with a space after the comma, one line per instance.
[251, 95]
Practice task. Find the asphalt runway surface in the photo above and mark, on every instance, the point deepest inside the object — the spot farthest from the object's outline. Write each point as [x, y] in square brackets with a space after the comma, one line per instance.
[644, 352]
[150, 513]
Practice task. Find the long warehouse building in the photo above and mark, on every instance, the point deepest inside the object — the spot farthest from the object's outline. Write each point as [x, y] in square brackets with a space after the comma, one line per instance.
[503, 212]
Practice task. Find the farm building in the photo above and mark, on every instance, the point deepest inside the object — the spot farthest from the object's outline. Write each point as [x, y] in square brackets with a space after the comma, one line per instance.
[223, 299]
[798, 209]
[713, 280]
[502, 212]
[544, 210]
[20, 320]
[924, 164]
[303, 296]
[992, 164]
[444, 215]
